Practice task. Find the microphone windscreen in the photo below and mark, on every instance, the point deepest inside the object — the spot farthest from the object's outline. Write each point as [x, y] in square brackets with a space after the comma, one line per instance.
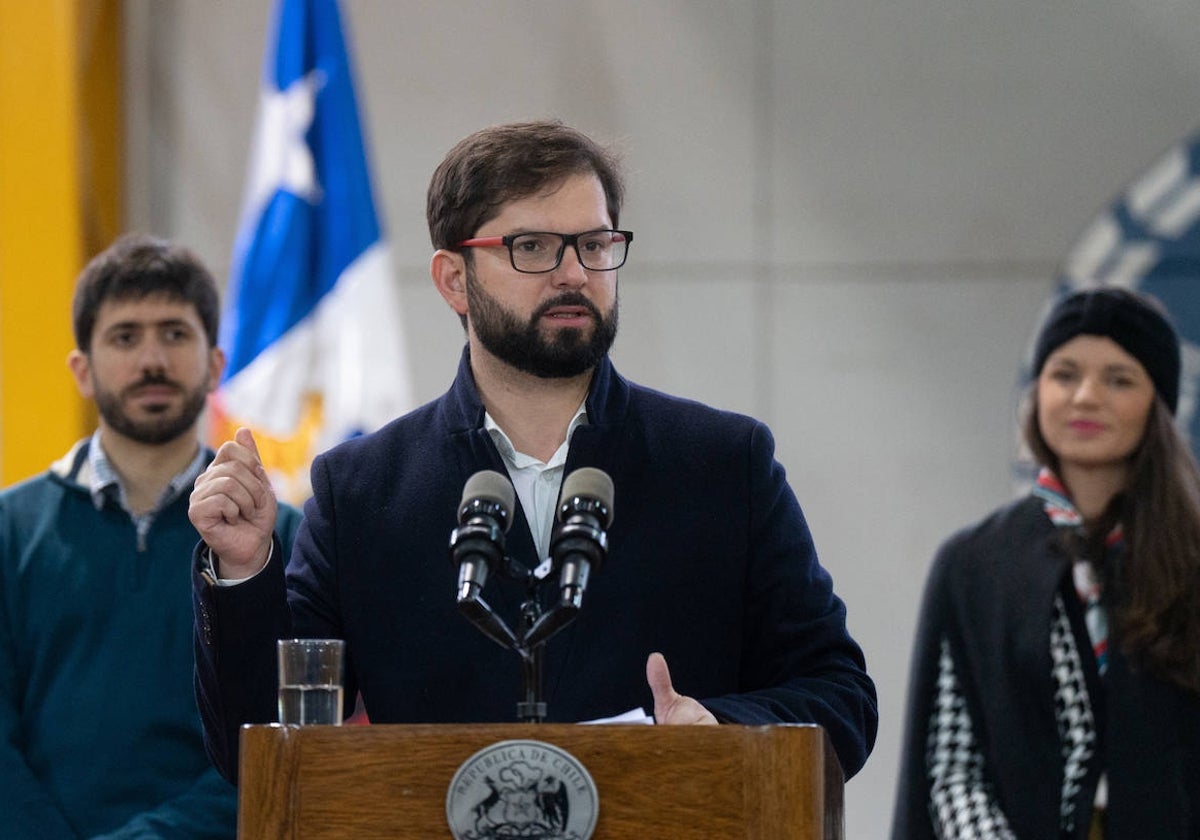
[489, 485]
[590, 483]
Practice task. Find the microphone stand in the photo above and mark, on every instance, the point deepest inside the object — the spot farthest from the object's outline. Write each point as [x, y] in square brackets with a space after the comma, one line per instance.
[580, 543]
[533, 708]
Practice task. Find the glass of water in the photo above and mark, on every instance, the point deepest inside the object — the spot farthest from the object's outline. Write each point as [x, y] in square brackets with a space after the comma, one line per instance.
[310, 681]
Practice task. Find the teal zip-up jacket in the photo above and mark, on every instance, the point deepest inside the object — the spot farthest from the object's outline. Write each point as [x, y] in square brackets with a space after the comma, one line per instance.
[99, 733]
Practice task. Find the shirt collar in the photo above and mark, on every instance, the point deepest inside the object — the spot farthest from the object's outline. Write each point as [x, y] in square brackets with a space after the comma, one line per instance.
[520, 460]
[106, 483]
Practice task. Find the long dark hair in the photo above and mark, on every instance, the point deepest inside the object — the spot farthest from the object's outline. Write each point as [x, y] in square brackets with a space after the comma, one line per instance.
[1154, 592]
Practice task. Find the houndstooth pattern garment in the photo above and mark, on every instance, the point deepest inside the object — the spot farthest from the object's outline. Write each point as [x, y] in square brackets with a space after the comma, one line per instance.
[1072, 710]
[962, 803]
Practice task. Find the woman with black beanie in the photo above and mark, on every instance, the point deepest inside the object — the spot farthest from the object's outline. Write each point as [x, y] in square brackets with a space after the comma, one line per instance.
[1055, 683]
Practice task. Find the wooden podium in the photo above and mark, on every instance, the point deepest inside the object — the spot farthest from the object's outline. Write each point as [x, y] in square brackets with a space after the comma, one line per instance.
[653, 782]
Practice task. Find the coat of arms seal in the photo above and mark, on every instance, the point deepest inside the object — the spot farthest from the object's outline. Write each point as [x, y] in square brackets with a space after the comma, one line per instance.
[526, 790]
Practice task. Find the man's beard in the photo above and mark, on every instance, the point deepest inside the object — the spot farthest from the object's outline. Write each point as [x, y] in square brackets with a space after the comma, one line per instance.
[523, 346]
[161, 428]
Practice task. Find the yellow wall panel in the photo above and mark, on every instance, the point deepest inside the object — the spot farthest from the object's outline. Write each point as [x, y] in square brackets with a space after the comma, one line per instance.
[59, 202]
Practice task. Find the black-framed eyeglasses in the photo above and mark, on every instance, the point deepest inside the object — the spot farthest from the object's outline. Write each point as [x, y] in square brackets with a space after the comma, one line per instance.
[538, 252]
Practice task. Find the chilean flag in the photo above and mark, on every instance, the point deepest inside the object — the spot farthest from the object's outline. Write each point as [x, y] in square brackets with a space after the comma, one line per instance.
[311, 325]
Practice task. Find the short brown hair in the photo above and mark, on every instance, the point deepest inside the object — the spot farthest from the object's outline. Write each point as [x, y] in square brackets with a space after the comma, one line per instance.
[137, 266]
[505, 162]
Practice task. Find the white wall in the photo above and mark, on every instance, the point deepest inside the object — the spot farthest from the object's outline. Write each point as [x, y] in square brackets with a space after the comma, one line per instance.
[848, 215]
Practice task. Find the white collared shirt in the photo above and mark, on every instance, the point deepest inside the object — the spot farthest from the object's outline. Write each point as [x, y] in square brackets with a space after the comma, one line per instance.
[537, 483]
[106, 483]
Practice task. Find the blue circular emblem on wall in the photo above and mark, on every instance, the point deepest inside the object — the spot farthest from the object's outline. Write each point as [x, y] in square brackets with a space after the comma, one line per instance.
[1149, 239]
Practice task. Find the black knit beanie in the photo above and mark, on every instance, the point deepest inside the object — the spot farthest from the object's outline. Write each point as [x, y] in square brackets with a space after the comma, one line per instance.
[1141, 330]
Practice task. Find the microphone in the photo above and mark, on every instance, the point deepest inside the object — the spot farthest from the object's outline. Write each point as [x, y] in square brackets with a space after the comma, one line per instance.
[580, 545]
[477, 546]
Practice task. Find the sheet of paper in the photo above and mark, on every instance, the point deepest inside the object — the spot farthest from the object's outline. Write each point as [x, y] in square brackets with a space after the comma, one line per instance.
[637, 715]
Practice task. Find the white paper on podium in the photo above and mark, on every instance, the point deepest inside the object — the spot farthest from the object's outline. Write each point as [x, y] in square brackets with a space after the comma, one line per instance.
[637, 715]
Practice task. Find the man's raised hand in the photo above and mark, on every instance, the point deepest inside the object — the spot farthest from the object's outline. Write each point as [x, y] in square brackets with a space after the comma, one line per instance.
[233, 508]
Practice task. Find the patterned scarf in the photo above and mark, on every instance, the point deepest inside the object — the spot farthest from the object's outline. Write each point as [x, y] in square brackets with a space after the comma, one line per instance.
[1061, 511]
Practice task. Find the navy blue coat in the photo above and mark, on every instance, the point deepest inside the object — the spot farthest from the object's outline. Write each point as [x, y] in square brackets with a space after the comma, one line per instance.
[710, 562]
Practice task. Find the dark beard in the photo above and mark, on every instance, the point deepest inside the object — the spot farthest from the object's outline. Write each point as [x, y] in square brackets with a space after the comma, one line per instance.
[157, 430]
[523, 347]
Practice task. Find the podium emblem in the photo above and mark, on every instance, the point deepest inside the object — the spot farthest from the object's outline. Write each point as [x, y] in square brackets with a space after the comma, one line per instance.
[522, 789]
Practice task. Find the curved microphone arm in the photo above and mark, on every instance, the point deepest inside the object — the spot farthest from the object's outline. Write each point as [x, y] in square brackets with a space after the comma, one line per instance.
[579, 545]
[477, 546]
[582, 547]
[477, 611]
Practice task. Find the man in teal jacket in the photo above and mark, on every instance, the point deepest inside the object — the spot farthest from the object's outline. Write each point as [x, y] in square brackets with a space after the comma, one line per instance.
[99, 734]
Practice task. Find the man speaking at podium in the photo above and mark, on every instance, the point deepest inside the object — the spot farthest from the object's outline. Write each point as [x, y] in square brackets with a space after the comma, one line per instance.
[710, 561]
